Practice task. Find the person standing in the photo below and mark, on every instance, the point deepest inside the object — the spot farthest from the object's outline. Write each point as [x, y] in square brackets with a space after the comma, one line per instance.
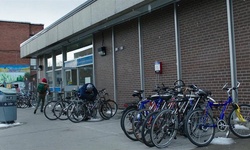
[42, 90]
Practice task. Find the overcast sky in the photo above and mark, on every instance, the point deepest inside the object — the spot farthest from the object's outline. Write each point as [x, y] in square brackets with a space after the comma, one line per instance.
[36, 11]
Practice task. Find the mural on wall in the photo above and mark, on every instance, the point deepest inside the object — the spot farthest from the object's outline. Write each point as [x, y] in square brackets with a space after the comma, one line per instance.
[13, 73]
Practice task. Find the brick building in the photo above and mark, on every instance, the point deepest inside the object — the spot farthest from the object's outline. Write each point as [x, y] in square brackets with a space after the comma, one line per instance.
[194, 40]
[12, 34]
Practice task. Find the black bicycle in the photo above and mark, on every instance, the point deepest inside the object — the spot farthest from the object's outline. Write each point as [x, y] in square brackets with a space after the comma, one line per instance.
[82, 110]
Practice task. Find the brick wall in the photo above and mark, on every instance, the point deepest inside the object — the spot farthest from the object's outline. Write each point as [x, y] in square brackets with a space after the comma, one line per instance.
[204, 47]
[127, 60]
[158, 38]
[103, 65]
[242, 46]
[12, 34]
[204, 44]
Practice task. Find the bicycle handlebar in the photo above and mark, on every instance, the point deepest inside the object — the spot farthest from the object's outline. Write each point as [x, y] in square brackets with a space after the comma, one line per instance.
[231, 88]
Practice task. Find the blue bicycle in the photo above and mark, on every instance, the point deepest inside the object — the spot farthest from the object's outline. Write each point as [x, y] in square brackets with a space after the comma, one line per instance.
[201, 124]
[129, 114]
[156, 102]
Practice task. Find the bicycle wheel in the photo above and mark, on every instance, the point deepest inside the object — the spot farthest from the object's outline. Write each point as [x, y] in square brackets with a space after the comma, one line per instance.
[60, 110]
[123, 113]
[76, 112]
[49, 110]
[146, 128]
[18, 103]
[200, 127]
[105, 111]
[114, 106]
[23, 103]
[138, 120]
[126, 123]
[164, 128]
[240, 125]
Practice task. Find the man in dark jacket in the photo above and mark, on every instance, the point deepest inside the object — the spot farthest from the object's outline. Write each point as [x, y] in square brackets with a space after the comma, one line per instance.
[88, 91]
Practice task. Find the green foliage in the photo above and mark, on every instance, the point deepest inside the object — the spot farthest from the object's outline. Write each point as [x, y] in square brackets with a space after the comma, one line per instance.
[19, 78]
[27, 75]
[6, 78]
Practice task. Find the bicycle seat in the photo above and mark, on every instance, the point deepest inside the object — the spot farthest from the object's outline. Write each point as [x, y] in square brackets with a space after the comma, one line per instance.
[165, 97]
[137, 92]
[203, 92]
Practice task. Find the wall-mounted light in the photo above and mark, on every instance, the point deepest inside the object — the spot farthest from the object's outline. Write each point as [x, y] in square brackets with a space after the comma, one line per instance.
[40, 67]
[102, 51]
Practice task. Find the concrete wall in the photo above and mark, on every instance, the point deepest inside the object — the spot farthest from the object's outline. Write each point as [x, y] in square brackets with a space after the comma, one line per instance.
[98, 11]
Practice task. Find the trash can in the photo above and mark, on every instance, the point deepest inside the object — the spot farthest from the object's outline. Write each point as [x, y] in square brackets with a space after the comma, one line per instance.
[8, 109]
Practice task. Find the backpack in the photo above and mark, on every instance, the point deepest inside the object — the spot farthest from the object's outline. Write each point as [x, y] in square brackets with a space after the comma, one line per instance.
[41, 88]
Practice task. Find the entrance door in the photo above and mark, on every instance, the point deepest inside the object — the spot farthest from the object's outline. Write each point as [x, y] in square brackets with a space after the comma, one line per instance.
[71, 77]
[85, 74]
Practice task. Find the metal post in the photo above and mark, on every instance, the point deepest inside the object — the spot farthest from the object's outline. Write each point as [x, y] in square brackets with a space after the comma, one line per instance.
[177, 44]
[114, 64]
[231, 39]
[141, 57]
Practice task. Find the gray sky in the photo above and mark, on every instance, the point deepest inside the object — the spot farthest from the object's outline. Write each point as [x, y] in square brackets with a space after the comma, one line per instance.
[36, 11]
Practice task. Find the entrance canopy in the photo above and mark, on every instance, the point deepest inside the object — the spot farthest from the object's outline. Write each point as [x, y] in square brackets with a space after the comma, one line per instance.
[83, 21]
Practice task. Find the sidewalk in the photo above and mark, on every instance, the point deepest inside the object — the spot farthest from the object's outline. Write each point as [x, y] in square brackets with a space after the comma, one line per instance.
[35, 132]
[238, 144]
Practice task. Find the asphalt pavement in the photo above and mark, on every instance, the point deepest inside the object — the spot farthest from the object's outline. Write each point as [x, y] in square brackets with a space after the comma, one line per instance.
[35, 132]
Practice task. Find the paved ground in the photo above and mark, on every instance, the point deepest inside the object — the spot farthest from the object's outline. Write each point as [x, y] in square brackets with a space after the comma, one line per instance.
[35, 132]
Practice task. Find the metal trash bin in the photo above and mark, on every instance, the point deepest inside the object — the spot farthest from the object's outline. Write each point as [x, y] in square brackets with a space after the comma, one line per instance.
[8, 108]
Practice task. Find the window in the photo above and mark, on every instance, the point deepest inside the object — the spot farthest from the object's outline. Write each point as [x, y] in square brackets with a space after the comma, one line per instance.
[58, 78]
[49, 63]
[79, 52]
[86, 74]
[71, 77]
[49, 78]
[59, 61]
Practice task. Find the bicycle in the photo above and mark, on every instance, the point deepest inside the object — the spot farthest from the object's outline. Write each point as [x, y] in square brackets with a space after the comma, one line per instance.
[170, 121]
[21, 100]
[55, 108]
[24, 99]
[200, 125]
[147, 124]
[32, 96]
[156, 102]
[103, 95]
[128, 114]
[82, 110]
[61, 106]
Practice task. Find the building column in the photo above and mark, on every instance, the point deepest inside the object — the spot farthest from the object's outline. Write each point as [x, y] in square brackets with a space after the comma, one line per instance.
[64, 58]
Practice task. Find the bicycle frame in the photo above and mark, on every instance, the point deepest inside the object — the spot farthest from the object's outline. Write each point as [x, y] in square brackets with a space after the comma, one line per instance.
[211, 103]
[223, 105]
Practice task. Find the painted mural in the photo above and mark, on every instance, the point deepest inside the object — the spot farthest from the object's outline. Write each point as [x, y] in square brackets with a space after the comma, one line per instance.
[13, 73]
